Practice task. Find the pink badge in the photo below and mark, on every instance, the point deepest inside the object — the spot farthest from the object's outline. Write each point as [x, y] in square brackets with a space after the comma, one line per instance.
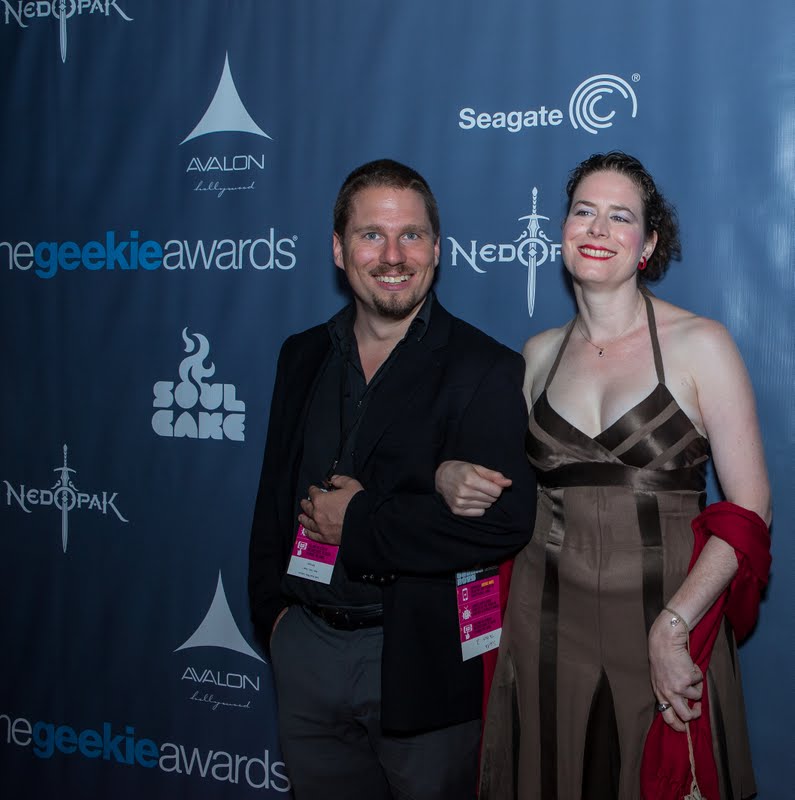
[312, 560]
[478, 596]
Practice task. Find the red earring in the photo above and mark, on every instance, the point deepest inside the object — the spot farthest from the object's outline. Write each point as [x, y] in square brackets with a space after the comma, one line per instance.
[642, 263]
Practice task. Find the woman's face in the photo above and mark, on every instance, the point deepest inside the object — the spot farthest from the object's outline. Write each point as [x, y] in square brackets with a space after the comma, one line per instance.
[604, 232]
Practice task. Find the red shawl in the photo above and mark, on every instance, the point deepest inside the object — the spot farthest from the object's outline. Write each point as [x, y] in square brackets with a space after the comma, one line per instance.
[665, 770]
[490, 658]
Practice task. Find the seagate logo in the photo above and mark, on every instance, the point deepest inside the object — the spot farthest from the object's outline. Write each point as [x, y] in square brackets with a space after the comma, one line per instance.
[590, 109]
[208, 410]
[589, 96]
[217, 173]
[65, 496]
[532, 248]
[23, 11]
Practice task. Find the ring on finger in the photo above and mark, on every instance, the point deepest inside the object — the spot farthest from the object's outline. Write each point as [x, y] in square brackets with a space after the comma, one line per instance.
[663, 707]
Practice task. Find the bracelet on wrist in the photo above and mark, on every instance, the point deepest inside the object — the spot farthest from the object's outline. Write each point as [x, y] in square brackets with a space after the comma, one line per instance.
[676, 619]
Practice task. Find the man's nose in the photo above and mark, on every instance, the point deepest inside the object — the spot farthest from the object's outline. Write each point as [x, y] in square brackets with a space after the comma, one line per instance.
[393, 250]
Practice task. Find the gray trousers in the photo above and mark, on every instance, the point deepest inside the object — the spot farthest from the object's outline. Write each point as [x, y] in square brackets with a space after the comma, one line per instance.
[328, 685]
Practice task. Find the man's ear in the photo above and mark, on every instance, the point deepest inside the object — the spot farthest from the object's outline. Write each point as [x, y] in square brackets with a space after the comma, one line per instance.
[336, 246]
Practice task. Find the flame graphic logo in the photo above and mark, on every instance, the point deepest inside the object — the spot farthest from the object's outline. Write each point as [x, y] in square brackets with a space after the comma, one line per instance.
[583, 111]
[187, 394]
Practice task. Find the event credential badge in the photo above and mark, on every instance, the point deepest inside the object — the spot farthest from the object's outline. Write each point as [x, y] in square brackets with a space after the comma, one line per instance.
[312, 560]
[478, 595]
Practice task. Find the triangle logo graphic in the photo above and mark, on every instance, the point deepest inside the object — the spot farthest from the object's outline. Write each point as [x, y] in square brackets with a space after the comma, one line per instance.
[226, 112]
[219, 629]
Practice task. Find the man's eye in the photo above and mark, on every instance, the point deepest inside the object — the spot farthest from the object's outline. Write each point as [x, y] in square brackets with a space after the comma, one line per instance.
[412, 236]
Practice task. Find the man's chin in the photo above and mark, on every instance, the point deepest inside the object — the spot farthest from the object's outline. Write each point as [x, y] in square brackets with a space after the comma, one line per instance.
[395, 309]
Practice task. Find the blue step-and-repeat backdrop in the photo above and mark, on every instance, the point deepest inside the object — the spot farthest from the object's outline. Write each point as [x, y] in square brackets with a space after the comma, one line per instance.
[167, 172]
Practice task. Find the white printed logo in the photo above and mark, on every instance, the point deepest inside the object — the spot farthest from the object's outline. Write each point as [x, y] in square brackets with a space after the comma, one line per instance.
[23, 10]
[219, 629]
[532, 248]
[226, 114]
[210, 410]
[65, 496]
[583, 111]
[226, 111]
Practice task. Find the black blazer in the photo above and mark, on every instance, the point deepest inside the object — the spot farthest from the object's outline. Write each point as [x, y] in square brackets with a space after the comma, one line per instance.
[457, 395]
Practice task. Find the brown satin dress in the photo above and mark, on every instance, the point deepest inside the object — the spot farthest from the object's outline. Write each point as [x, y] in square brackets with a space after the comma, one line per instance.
[571, 700]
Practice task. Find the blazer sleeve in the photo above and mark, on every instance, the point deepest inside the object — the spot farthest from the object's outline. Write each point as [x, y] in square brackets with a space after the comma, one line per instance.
[415, 533]
[265, 545]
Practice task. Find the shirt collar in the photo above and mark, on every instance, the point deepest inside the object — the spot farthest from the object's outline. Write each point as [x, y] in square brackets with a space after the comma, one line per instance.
[340, 326]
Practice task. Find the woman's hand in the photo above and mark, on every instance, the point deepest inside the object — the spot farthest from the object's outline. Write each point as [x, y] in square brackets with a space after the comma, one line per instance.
[469, 489]
[675, 679]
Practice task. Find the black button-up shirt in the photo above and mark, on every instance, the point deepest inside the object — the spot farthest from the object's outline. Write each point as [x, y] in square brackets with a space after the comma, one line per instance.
[335, 414]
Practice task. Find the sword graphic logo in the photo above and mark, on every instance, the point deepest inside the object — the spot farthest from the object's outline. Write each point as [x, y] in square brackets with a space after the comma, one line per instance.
[536, 244]
[65, 497]
[62, 15]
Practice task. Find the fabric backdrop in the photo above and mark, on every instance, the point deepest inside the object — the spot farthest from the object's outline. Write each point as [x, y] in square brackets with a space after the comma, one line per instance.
[167, 173]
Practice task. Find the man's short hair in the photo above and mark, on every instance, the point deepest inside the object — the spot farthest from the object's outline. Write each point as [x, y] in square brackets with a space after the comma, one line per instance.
[383, 172]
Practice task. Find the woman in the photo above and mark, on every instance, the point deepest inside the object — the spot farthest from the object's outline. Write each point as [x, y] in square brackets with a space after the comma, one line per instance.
[626, 402]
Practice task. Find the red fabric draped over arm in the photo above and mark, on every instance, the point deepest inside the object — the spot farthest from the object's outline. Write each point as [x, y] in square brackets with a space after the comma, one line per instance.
[665, 769]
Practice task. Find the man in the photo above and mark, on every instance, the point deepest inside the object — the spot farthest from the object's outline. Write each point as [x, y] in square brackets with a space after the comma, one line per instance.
[375, 697]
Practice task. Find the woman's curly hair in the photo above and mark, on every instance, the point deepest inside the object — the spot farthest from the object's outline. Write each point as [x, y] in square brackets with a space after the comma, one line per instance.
[658, 214]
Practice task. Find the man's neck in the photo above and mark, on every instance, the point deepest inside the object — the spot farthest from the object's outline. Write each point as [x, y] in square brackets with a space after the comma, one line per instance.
[377, 337]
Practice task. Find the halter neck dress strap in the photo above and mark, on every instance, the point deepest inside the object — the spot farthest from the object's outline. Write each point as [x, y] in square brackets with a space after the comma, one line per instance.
[560, 353]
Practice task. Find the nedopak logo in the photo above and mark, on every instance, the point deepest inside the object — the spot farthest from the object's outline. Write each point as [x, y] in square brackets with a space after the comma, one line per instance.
[24, 11]
[532, 248]
[210, 410]
[230, 172]
[65, 496]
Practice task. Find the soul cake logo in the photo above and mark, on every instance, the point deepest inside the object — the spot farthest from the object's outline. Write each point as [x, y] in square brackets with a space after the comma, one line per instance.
[209, 410]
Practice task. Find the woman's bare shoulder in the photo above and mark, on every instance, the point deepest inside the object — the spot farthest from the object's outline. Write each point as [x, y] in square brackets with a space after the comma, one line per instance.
[539, 354]
[699, 338]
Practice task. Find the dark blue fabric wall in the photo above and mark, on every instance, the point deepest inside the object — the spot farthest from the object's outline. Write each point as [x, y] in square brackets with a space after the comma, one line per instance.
[167, 172]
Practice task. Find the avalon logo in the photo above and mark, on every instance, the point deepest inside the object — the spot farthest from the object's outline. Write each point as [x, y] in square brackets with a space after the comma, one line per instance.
[225, 114]
[532, 248]
[63, 10]
[218, 629]
[65, 496]
[209, 410]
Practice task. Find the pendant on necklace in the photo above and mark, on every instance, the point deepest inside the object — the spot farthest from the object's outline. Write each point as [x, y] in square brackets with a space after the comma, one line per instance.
[601, 352]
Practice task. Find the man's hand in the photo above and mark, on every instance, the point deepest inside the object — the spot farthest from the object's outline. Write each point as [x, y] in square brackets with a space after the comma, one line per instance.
[324, 510]
[469, 489]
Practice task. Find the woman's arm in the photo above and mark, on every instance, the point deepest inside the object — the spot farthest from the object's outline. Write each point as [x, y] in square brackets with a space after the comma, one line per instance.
[728, 411]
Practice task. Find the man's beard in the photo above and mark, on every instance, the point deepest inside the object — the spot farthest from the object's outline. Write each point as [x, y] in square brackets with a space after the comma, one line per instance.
[395, 308]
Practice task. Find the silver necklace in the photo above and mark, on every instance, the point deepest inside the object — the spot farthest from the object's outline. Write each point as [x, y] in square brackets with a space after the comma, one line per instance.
[601, 348]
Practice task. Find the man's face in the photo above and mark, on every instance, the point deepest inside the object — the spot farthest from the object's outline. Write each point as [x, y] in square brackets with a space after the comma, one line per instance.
[388, 252]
